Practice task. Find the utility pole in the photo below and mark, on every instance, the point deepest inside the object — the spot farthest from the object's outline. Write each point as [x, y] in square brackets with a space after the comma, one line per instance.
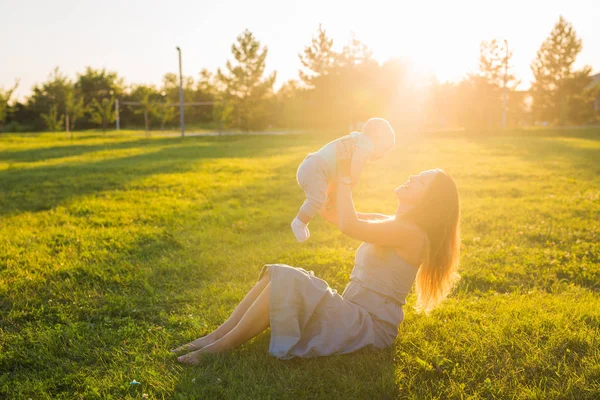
[181, 95]
[505, 106]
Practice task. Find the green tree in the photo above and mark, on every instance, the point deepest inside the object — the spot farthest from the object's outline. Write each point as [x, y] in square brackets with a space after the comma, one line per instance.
[74, 109]
[482, 93]
[206, 92]
[559, 93]
[148, 109]
[103, 112]
[147, 96]
[191, 92]
[481, 104]
[170, 85]
[53, 121]
[290, 105]
[98, 84]
[354, 53]
[206, 84]
[342, 86]
[441, 106]
[493, 60]
[245, 92]
[318, 58]
[166, 112]
[5, 95]
[355, 78]
[49, 94]
[496, 67]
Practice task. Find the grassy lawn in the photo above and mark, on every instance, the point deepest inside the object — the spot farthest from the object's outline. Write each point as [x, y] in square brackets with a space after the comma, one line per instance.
[114, 249]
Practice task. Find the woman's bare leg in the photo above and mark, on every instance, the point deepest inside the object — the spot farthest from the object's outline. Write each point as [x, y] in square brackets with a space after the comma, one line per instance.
[254, 321]
[231, 322]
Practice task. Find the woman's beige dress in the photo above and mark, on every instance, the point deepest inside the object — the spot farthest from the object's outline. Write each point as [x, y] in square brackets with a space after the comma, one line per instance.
[309, 319]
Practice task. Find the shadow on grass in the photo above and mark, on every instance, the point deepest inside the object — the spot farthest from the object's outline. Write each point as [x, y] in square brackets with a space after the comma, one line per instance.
[250, 372]
[544, 151]
[117, 299]
[135, 290]
[567, 161]
[79, 147]
[70, 150]
[115, 287]
[43, 188]
[592, 132]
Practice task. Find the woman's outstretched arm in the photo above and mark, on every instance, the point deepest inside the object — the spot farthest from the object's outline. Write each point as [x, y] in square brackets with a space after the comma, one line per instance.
[373, 216]
[329, 212]
[384, 232]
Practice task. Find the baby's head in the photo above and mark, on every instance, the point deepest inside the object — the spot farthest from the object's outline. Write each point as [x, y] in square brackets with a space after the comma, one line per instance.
[381, 134]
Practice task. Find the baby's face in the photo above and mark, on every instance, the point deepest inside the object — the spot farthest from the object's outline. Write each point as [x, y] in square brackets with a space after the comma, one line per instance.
[376, 155]
[381, 147]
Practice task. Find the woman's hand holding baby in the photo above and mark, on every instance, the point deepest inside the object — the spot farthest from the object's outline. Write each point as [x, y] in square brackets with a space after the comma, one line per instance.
[344, 150]
[329, 212]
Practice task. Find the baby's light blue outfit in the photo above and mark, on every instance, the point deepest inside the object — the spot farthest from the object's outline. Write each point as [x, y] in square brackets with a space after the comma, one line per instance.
[309, 319]
[318, 169]
[328, 152]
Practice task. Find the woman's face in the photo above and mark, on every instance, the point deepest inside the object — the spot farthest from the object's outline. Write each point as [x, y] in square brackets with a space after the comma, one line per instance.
[415, 187]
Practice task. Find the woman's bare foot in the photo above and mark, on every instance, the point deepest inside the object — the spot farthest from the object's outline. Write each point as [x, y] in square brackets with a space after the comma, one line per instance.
[194, 345]
[190, 359]
[194, 357]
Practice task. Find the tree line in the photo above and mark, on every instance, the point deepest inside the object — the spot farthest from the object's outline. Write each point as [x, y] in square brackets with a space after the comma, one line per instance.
[334, 89]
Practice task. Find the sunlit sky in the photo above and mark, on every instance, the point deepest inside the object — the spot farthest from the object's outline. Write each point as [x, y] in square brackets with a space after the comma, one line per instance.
[138, 38]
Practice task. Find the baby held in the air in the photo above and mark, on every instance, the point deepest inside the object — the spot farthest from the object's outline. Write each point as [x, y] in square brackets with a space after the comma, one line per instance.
[318, 169]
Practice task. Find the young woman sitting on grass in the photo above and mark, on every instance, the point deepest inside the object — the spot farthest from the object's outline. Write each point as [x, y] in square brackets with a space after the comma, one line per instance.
[307, 318]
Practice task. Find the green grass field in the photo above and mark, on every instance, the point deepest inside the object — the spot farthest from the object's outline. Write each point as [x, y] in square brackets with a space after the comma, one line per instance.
[114, 249]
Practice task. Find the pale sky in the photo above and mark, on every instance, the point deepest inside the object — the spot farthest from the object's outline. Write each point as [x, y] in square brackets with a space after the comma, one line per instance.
[138, 38]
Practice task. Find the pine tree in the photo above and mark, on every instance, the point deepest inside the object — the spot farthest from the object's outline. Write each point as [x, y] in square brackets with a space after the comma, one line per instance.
[559, 93]
[492, 63]
[355, 52]
[487, 86]
[244, 103]
[318, 58]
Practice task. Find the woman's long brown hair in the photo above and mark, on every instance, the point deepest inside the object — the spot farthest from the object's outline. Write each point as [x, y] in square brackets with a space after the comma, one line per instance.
[438, 215]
